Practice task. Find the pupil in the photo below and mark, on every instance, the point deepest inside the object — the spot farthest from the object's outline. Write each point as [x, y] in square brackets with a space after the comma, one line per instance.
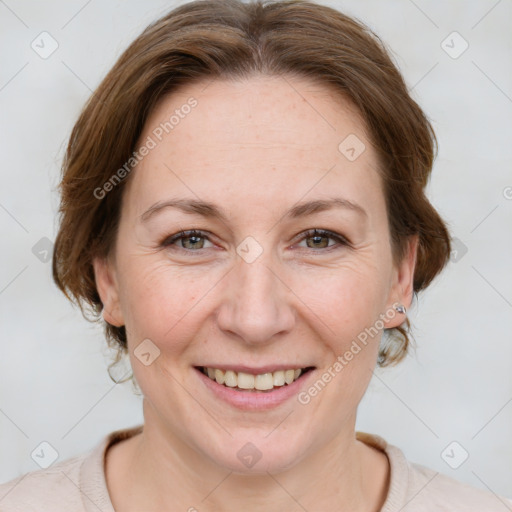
[317, 239]
[194, 239]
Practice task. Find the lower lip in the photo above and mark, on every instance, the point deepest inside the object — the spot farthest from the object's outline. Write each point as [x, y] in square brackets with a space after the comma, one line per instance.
[254, 400]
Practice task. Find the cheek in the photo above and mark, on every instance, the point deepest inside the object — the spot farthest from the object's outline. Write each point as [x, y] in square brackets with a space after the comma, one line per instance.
[169, 303]
[346, 306]
[158, 301]
[346, 299]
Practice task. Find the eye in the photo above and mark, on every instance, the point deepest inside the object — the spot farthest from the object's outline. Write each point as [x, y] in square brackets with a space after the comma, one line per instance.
[191, 240]
[194, 240]
[320, 239]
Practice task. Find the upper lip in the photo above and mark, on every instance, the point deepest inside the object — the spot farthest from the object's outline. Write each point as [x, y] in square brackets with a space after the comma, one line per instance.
[270, 368]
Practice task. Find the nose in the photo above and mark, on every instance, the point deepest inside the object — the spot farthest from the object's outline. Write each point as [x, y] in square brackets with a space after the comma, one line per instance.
[256, 305]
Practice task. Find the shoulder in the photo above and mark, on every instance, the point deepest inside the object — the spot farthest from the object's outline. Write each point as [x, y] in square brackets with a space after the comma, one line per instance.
[428, 488]
[44, 489]
[76, 484]
[416, 488]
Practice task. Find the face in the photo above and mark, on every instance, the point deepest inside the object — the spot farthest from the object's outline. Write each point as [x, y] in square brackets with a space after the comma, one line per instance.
[217, 265]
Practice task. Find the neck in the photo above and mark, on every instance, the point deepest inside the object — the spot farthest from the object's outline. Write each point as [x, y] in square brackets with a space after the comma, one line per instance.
[159, 469]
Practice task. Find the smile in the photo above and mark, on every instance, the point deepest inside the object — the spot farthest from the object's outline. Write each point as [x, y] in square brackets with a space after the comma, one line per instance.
[263, 382]
[254, 389]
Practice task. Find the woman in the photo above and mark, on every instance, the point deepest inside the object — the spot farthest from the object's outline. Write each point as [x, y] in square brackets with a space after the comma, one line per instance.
[243, 203]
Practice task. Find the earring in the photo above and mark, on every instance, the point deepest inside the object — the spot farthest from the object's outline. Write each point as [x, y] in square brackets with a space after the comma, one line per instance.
[400, 308]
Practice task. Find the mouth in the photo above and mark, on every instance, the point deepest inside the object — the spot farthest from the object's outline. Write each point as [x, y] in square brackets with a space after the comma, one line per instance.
[253, 382]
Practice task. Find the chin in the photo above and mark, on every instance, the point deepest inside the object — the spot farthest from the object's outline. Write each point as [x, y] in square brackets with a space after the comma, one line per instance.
[255, 455]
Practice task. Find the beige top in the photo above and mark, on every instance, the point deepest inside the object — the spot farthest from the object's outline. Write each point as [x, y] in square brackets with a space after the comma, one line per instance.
[78, 484]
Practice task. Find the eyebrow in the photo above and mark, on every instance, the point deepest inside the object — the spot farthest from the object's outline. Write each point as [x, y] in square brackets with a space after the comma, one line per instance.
[210, 210]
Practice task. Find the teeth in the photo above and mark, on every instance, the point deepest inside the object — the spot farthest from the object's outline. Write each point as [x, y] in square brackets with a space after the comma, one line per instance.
[230, 379]
[245, 380]
[219, 376]
[279, 378]
[261, 382]
[288, 376]
[264, 381]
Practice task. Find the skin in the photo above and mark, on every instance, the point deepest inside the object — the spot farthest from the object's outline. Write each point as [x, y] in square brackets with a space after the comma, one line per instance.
[255, 148]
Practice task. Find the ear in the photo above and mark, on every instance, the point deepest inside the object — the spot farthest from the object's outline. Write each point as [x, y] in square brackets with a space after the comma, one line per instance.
[403, 284]
[108, 291]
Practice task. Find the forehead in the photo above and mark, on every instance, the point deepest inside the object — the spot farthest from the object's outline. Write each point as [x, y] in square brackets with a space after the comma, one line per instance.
[256, 138]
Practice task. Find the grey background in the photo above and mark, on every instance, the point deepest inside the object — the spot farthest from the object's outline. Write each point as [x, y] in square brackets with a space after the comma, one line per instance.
[457, 385]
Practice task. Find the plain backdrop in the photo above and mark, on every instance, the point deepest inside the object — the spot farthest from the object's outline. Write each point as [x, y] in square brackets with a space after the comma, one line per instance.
[451, 398]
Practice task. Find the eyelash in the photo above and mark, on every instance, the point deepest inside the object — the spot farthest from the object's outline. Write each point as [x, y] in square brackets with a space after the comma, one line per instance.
[310, 233]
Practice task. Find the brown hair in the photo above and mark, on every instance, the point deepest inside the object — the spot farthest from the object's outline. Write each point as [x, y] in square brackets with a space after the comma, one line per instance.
[232, 39]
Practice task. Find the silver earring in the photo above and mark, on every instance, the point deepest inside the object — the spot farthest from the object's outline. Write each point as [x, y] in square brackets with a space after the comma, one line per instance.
[400, 308]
